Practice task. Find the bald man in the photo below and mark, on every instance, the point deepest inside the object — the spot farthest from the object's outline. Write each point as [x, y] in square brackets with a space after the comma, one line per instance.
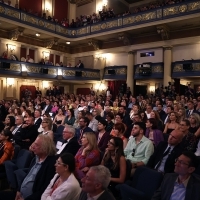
[164, 156]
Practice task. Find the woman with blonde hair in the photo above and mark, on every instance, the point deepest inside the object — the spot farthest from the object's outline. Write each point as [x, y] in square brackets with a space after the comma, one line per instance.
[154, 114]
[194, 122]
[88, 155]
[181, 114]
[47, 127]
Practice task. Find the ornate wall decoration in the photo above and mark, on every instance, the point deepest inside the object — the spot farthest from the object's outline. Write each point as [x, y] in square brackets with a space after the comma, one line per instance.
[82, 31]
[121, 71]
[41, 23]
[32, 69]
[128, 20]
[157, 69]
[193, 6]
[50, 26]
[15, 67]
[13, 13]
[170, 11]
[14, 34]
[178, 68]
[196, 66]
[52, 71]
[95, 44]
[69, 73]
[91, 74]
[183, 8]
[31, 19]
[95, 28]
[159, 13]
[149, 16]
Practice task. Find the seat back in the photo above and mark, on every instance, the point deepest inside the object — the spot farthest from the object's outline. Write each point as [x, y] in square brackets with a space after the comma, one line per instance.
[128, 169]
[58, 135]
[24, 158]
[146, 180]
[16, 151]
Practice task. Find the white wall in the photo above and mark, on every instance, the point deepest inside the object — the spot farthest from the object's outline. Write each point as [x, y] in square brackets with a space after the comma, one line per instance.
[116, 59]
[186, 52]
[87, 9]
[158, 56]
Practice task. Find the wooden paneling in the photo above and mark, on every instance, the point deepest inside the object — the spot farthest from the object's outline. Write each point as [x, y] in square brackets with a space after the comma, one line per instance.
[22, 52]
[57, 59]
[32, 54]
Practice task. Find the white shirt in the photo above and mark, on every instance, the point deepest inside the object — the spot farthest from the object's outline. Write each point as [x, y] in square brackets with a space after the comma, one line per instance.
[197, 153]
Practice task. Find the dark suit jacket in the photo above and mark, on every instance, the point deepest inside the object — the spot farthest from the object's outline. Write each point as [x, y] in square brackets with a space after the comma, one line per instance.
[167, 186]
[105, 196]
[187, 113]
[72, 147]
[43, 177]
[157, 155]
[37, 123]
[86, 129]
[162, 115]
[48, 109]
[103, 143]
[17, 136]
[30, 133]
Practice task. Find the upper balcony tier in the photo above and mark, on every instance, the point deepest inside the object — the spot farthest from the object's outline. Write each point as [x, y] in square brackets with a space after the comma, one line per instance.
[18, 69]
[174, 11]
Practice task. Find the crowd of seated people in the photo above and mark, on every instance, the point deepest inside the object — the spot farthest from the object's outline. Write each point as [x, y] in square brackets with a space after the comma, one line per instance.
[124, 132]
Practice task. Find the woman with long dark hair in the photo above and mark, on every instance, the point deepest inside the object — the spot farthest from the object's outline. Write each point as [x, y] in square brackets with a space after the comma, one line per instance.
[114, 160]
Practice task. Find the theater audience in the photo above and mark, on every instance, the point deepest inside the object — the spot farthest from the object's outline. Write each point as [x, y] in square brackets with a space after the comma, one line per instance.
[47, 127]
[10, 123]
[194, 122]
[70, 119]
[59, 118]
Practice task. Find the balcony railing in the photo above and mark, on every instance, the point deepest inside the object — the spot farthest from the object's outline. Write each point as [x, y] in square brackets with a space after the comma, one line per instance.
[33, 70]
[115, 73]
[187, 68]
[171, 11]
[156, 71]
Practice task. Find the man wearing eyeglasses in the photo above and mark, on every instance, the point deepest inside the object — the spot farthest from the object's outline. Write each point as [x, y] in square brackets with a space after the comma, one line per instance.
[139, 148]
[183, 184]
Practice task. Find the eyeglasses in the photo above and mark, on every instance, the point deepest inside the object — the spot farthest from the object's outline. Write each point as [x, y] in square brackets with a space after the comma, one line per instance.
[60, 163]
[44, 122]
[181, 162]
[133, 153]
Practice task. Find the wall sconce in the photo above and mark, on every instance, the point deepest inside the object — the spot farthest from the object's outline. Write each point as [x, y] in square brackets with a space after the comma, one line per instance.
[152, 88]
[100, 87]
[47, 10]
[11, 47]
[46, 55]
[10, 81]
[105, 2]
[45, 84]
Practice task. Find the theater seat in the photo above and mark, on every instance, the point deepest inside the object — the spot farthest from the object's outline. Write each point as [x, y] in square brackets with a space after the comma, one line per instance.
[144, 183]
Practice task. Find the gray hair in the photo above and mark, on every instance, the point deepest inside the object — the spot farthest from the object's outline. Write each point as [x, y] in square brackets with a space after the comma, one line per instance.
[102, 175]
[70, 129]
[20, 117]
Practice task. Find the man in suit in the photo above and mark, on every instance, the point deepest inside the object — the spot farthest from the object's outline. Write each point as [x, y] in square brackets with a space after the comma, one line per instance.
[190, 110]
[166, 152]
[182, 184]
[80, 64]
[19, 120]
[47, 107]
[38, 119]
[168, 111]
[28, 133]
[126, 117]
[70, 144]
[39, 174]
[95, 183]
[83, 124]
[161, 112]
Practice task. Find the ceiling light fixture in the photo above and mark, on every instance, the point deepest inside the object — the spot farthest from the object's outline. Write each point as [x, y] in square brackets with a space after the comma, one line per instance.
[37, 34]
[67, 42]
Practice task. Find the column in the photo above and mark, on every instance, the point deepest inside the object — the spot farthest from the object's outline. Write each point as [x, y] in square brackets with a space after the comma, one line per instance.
[27, 51]
[167, 65]
[130, 69]
[71, 12]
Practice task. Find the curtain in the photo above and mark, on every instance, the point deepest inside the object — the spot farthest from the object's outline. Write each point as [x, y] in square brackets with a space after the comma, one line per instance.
[61, 9]
[84, 91]
[31, 88]
[35, 6]
[115, 86]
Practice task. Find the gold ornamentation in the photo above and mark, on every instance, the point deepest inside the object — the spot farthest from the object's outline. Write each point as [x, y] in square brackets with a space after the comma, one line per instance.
[15, 67]
[31, 20]
[103, 26]
[170, 11]
[119, 22]
[50, 26]
[32, 69]
[157, 69]
[138, 18]
[178, 68]
[52, 71]
[73, 32]
[112, 24]
[196, 67]
[121, 71]
[82, 31]
[2, 10]
[183, 8]
[159, 13]
[148, 16]
[13, 13]
[68, 73]
[41, 23]
[128, 20]
[137, 70]
[95, 28]
[91, 74]
[193, 6]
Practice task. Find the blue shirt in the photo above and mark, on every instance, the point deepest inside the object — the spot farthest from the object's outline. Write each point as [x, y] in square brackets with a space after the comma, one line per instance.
[27, 184]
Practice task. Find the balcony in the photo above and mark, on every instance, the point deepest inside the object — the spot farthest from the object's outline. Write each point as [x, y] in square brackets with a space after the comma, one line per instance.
[32, 70]
[187, 68]
[160, 14]
[115, 73]
[155, 71]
